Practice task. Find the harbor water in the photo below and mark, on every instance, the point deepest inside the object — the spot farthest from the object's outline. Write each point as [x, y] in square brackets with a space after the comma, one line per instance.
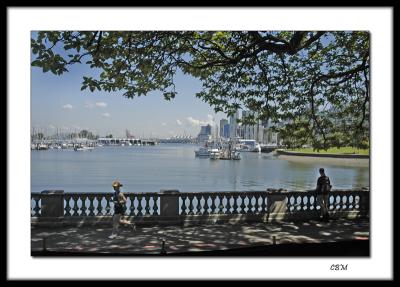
[174, 166]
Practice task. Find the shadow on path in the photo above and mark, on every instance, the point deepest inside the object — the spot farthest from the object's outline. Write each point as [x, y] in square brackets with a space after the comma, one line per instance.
[198, 239]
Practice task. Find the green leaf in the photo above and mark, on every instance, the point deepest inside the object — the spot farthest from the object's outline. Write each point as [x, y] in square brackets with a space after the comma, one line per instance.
[36, 63]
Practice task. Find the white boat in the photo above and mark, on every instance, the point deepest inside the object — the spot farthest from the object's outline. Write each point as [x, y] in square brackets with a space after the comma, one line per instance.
[83, 148]
[202, 152]
[42, 147]
[247, 145]
[215, 153]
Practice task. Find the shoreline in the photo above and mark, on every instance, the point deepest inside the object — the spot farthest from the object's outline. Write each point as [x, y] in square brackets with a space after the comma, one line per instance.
[324, 155]
[355, 162]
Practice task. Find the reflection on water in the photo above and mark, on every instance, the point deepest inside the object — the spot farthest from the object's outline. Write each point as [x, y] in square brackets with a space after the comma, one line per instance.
[151, 168]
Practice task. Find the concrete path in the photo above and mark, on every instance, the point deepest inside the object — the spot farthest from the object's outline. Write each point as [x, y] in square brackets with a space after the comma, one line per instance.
[148, 240]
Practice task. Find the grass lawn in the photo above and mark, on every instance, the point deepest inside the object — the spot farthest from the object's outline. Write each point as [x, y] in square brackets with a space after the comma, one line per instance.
[343, 150]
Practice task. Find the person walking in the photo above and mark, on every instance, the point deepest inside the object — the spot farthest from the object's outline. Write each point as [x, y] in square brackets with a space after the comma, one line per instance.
[324, 187]
[119, 202]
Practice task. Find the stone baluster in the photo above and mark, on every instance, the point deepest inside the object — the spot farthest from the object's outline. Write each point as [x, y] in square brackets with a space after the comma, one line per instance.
[248, 205]
[206, 204]
[254, 206]
[84, 208]
[213, 206]
[108, 198]
[139, 207]
[357, 200]
[219, 207]
[309, 204]
[183, 207]
[338, 203]
[350, 199]
[263, 204]
[251, 205]
[293, 203]
[67, 199]
[228, 204]
[305, 202]
[91, 206]
[313, 205]
[257, 198]
[155, 205]
[36, 207]
[345, 201]
[299, 203]
[191, 207]
[242, 205]
[75, 207]
[235, 204]
[132, 204]
[147, 206]
[99, 207]
[198, 206]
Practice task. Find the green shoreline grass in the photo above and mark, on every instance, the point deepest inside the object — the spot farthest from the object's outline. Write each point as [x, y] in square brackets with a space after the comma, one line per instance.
[343, 150]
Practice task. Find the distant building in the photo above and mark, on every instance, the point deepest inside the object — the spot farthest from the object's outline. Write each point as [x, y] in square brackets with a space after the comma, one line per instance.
[250, 131]
[205, 129]
[216, 131]
[225, 131]
[222, 124]
[205, 134]
[270, 137]
[233, 125]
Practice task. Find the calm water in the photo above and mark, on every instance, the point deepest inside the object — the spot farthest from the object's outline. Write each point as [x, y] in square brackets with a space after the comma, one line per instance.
[173, 166]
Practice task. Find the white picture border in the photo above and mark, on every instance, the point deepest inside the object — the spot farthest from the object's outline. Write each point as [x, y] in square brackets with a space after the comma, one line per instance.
[21, 21]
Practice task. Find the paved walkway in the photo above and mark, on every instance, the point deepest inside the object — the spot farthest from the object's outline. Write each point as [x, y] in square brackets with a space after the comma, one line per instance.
[148, 240]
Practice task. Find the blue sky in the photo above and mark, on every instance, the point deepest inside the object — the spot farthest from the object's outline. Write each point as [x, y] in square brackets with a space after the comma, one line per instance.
[58, 102]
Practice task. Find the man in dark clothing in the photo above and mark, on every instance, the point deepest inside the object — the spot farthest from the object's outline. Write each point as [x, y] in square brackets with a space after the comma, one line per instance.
[324, 187]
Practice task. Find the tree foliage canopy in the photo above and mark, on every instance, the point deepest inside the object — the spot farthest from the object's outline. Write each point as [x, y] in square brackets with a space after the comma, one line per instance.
[315, 83]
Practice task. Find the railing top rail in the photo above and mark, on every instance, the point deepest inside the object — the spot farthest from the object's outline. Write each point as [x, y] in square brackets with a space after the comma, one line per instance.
[111, 193]
[268, 191]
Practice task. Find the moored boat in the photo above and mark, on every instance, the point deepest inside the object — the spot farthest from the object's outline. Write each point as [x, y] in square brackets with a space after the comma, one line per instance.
[215, 153]
[202, 152]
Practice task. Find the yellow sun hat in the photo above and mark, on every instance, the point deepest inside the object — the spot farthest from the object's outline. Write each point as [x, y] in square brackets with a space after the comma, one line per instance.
[116, 184]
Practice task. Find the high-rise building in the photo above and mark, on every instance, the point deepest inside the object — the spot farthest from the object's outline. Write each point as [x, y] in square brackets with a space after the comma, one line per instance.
[205, 129]
[249, 131]
[225, 132]
[222, 124]
[205, 134]
[233, 125]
